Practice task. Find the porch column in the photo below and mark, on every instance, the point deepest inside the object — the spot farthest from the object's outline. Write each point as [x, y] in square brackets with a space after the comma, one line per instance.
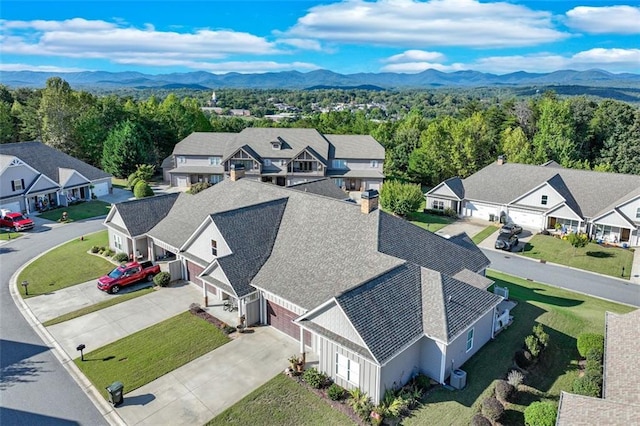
[134, 250]
[263, 309]
[205, 295]
[301, 340]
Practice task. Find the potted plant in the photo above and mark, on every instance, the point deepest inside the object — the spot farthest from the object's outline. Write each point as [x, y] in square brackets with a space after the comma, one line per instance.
[293, 362]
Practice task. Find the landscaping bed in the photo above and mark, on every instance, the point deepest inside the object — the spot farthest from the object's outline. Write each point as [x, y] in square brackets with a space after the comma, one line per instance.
[148, 354]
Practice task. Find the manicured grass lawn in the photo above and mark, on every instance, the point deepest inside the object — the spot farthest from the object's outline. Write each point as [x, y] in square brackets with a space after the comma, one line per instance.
[484, 234]
[428, 221]
[79, 211]
[119, 183]
[283, 402]
[66, 265]
[593, 257]
[6, 235]
[564, 315]
[153, 352]
[98, 306]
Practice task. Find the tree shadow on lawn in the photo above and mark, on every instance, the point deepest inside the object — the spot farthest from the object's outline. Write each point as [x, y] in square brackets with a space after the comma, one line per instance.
[535, 295]
[600, 254]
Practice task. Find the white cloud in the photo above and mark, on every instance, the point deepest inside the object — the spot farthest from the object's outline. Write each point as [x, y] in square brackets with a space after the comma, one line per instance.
[302, 43]
[605, 20]
[40, 68]
[415, 55]
[417, 67]
[412, 23]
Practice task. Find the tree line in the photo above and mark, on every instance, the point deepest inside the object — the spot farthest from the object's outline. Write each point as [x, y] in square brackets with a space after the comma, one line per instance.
[429, 139]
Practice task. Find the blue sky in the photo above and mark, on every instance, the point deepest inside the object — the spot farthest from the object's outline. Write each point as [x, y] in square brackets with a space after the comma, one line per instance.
[347, 36]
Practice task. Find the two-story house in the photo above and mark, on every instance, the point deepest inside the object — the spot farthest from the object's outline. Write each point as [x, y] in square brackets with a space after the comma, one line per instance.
[34, 176]
[280, 156]
[604, 205]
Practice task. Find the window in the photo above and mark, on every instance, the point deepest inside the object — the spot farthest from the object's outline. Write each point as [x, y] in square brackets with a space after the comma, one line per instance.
[213, 179]
[117, 241]
[544, 200]
[215, 161]
[283, 162]
[339, 182]
[438, 205]
[338, 164]
[214, 247]
[638, 213]
[374, 163]
[17, 185]
[266, 162]
[469, 340]
[182, 160]
[347, 369]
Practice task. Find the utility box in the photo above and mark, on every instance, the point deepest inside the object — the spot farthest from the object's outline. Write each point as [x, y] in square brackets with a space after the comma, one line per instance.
[458, 379]
[115, 391]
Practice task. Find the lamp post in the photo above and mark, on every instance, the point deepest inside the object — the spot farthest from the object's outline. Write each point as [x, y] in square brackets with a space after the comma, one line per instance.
[81, 349]
[25, 284]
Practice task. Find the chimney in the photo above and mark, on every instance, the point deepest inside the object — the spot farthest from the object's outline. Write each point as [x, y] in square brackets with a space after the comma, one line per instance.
[369, 201]
[237, 172]
[501, 160]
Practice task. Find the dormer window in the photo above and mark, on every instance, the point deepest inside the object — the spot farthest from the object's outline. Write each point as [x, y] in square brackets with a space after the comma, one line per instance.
[182, 160]
[544, 200]
[214, 247]
[276, 144]
[638, 213]
[374, 163]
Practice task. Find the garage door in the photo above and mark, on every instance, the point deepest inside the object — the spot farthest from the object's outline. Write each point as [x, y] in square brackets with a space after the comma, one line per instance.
[14, 207]
[528, 220]
[194, 270]
[181, 182]
[101, 189]
[480, 211]
[282, 319]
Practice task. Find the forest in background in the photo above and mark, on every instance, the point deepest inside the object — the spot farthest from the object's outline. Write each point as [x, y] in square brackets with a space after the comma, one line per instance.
[428, 135]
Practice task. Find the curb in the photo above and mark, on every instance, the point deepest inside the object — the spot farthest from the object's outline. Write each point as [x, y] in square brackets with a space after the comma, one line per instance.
[108, 412]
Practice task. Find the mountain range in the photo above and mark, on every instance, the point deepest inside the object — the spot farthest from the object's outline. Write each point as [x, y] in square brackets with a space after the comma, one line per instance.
[320, 78]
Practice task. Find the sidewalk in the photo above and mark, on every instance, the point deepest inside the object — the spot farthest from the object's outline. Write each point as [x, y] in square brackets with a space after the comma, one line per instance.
[635, 267]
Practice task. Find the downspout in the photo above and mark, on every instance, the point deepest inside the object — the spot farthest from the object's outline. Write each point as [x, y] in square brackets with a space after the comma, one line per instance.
[443, 362]
[493, 322]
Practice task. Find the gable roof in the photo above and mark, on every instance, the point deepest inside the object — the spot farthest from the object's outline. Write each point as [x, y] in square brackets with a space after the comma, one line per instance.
[139, 216]
[324, 187]
[351, 147]
[49, 161]
[204, 143]
[293, 141]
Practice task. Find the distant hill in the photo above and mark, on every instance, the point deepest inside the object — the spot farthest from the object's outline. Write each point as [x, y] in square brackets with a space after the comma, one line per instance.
[322, 79]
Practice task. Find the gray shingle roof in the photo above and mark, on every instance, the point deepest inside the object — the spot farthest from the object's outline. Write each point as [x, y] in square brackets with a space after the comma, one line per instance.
[593, 191]
[204, 143]
[141, 215]
[250, 233]
[455, 183]
[323, 187]
[621, 358]
[355, 147]
[199, 169]
[356, 173]
[295, 140]
[48, 160]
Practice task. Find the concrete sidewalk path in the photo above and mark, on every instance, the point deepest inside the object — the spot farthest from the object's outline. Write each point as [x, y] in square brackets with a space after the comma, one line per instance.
[635, 267]
[198, 391]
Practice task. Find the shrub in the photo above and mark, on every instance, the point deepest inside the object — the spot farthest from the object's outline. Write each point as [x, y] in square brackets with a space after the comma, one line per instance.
[504, 390]
[412, 394]
[121, 257]
[142, 189]
[360, 403]
[540, 413]
[314, 378]
[451, 213]
[523, 359]
[95, 249]
[335, 392]
[595, 354]
[422, 381]
[198, 187]
[586, 385]
[392, 405]
[492, 409]
[162, 279]
[133, 182]
[587, 341]
[108, 252]
[533, 345]
[480, 420]
[593, 365]
[543, 337]
[515, 378]
[132, 179]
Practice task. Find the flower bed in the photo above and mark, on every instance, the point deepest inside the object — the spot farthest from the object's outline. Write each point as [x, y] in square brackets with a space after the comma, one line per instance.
[197, 310]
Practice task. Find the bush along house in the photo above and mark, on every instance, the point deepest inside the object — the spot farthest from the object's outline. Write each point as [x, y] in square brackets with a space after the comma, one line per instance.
[373, 297]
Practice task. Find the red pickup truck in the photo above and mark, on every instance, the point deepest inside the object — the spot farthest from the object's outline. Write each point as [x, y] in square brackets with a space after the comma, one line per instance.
[127, 274]
[15, 221]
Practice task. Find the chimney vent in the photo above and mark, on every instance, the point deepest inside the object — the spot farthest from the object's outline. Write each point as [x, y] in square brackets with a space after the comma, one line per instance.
[369, 201]
[237, 172]
[501, 160]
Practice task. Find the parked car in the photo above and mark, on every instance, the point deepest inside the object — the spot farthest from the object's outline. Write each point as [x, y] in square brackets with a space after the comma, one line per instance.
[511, 228]
[127, 274]
[15, 221]
[506, 241]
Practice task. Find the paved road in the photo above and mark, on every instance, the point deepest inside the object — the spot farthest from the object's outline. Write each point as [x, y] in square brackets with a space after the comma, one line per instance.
[597, 285]
[34, 387]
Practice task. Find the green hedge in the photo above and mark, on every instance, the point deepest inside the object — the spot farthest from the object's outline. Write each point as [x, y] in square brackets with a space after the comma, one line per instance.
[588, 341]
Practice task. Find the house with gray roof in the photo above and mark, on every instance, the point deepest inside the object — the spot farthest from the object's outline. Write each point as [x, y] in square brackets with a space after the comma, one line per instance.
[34, 176]
[620, 402]
[281, 156]
[373, 297]
[606, 206]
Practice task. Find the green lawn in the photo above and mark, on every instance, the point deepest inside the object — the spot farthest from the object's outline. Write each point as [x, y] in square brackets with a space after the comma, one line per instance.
[593, 257]
[564, 314]
[119, 183]
[121, 297]
[484, 234]
[153, 352]
[67, 265]
[6, 235]
[78, 211]
[283, 402]
[428, 221]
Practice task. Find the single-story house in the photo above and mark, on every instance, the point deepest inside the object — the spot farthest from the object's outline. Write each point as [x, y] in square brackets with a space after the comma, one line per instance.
[374, 297]
[604, 205]
[620, 402]
[34, 176]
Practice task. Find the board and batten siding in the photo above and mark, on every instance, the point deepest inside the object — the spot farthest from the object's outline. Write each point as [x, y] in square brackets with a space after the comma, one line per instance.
[334, 320]
[369, 378]
[201, 245]
[400, 369]
[431, 358]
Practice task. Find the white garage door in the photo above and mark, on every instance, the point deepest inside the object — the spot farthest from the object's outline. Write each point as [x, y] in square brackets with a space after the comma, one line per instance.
[101, 189]
[14, 207]
[181, 181]
[480, 211]
[528, 220]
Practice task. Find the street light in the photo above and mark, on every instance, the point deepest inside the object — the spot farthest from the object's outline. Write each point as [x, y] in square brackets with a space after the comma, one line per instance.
[25, 284]
[81, 348]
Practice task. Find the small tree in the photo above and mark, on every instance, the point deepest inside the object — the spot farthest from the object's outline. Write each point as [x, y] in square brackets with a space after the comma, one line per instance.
[400, 198]
[577, 240]
[588, 341]
[142, 189]
[533, 345]
[540, 414]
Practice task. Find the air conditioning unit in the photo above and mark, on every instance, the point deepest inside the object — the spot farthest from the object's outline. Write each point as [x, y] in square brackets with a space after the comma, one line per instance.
[458, 379]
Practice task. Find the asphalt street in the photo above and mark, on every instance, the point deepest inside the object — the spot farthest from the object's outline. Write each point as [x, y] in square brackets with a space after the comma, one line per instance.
[572, 279]
[35, 389]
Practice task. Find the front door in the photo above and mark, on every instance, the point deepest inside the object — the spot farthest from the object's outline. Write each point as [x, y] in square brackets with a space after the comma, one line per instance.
[624, 236]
